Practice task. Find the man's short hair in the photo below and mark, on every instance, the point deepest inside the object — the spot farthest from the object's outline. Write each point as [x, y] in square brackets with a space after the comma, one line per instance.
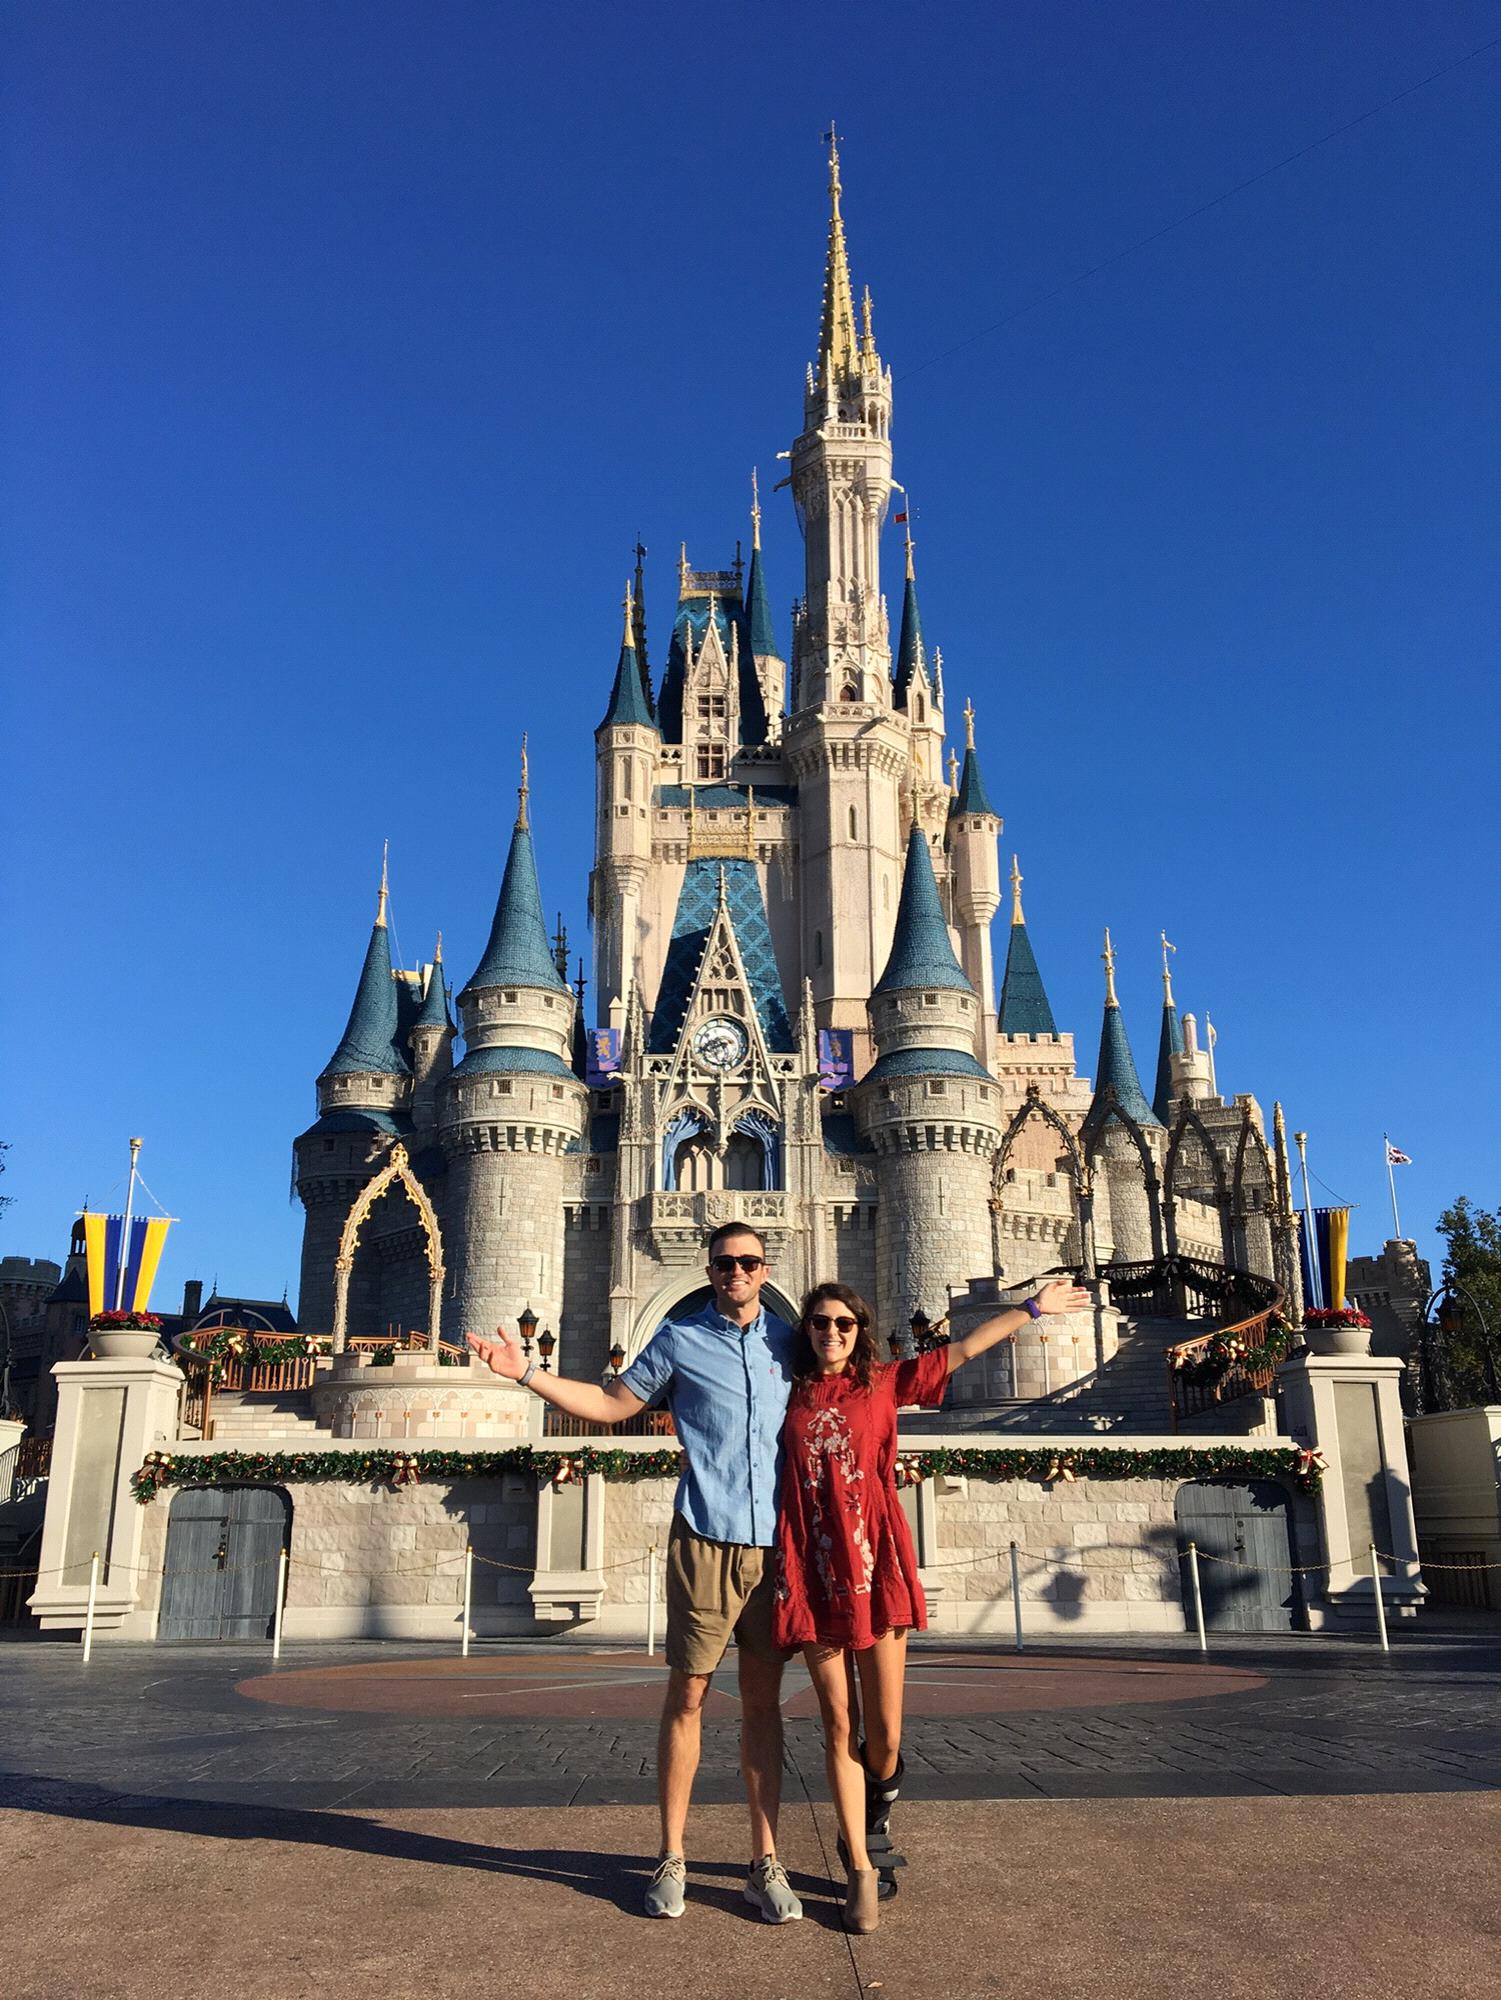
[735, 1229]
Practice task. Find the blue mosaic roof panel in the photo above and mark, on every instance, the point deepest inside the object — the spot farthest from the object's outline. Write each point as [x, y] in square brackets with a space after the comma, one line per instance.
[690, 933]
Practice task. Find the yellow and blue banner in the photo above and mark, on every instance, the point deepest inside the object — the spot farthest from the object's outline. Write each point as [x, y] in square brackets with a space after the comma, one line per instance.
[105, 1244]
[1331, 1246]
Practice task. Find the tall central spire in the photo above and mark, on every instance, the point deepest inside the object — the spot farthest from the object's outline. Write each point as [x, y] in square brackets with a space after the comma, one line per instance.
[838, 346]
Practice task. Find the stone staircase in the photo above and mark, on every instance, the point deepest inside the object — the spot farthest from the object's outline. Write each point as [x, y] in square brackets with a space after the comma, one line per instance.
[254, 1417]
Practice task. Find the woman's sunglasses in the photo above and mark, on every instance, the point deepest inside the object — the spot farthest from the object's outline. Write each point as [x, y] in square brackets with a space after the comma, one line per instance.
[726, 1266]
[841, 1323]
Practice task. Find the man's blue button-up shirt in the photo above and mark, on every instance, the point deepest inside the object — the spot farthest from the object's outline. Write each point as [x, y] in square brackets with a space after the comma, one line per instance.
[727, 1389]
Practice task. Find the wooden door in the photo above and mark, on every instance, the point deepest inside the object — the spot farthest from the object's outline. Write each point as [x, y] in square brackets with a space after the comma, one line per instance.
[1244, 1539]
[221, 1562]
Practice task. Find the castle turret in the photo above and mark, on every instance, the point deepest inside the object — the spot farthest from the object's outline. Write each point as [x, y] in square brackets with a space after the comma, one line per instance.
[511, 1110]
[1169, 1042]
[626, 745]
[760, 652]
[917, 681]
[1131, 1181]
[929, 1108]
[430, 1039]
[974, 828]
[1189, 1066]
[1024, 1002]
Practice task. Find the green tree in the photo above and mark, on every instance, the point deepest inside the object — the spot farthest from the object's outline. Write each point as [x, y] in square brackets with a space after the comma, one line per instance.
[1472, 1326]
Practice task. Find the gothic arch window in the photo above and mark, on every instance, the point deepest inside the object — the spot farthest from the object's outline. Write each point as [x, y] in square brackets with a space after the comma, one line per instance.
[849, 692]
[917, 708]
[628, 777]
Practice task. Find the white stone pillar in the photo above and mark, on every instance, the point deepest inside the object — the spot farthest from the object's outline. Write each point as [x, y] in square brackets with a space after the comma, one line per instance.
[109, 1415]
[1348, 1408]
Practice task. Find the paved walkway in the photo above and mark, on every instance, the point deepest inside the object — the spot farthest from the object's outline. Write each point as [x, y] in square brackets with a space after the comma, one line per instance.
[1291, 1815]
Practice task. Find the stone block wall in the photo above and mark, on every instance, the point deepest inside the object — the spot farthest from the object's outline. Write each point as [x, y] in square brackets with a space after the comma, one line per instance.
[584, 1348]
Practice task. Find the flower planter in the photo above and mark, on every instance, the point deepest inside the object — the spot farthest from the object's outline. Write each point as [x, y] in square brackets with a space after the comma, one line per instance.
[123, 1343]
[1338, 1339]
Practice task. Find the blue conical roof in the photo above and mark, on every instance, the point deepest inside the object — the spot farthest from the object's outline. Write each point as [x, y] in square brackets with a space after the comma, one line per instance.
[630, 701]
[369, 1041]
[433, 1013]
[1117, 1068]
[921, 953]
[1169, 1044]
[911, 654]
[758, 625]
[1024, 1001]
[519, 953]
[972, 796]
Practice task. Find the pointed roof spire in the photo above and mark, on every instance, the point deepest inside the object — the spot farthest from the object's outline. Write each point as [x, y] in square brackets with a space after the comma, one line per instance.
[1024, 1008]
[1116, 1069]
[385, 884]
[838, 349]
[911, 654]
[921, 951]
[433, 1013]
[524, 788]
[369, 1038]
[639, 594]
[1169, 1041]
[972, 796]
[954, 774]
[761, 634]
[518, 951]
[629, 702]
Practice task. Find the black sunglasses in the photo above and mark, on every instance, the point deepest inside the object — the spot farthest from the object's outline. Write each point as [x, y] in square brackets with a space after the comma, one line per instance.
[841, 1323]
[725, 1266]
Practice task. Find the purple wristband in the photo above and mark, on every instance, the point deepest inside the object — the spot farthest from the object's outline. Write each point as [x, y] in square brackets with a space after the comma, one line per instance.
[1031, 1307]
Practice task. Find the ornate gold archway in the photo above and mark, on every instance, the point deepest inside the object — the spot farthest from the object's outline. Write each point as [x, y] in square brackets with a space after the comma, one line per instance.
[397, 1168]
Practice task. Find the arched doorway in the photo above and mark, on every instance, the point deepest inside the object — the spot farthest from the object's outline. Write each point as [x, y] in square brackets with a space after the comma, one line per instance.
[1243, 1534]
[678, 1301]
[397, 1172]
[220, 1567]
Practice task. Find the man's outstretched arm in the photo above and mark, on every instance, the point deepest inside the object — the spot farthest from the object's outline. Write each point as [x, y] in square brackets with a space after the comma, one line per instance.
[586, 1400]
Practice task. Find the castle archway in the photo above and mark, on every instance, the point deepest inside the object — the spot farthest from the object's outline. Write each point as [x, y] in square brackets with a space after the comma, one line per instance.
[687, 1294]
[396, 1172]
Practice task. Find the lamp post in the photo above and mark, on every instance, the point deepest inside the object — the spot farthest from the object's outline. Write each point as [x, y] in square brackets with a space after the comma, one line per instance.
[526, 1324]
[1443, 1315]
[617, 1358]
[547, 1340]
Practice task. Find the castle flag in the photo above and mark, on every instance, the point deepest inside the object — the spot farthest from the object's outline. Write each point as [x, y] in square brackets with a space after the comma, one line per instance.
[836, 1058]
[106, 1244]
[1331, 1229]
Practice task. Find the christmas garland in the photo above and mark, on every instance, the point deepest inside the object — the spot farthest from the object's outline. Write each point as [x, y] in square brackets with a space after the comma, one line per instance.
[1227, 1351]
[406, 1468]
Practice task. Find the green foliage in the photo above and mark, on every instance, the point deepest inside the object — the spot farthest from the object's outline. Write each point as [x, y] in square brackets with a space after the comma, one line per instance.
[1472, 1263]
[399, 1468]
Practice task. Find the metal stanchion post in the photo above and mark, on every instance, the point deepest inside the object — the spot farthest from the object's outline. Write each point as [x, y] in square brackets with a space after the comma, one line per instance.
[281, 1602]
[88, 1616]
[651, 1602]
[1016, 1596]
[1380, 1601]
[468, 1596]
[1193, 1577]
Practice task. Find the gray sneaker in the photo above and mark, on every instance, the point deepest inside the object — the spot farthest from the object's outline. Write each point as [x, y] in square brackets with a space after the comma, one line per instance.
[664, 1897]
[768, 1890]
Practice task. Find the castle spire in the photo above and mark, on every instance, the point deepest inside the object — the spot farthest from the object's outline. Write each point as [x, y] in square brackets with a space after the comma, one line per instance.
[922, 954]
[911, 654]
[518, 951]
[1116, 1080]
[638, 593]
[760, 631]
[629, 702]
[433, 1013]
[1169, 1041]
[838, 349]
[1024, 1008]
[971, 797]
[369, 1039]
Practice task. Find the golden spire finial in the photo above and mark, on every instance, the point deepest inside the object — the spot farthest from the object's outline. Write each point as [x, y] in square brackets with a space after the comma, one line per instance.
[867, 328]
[1108, 955]
[1167, 972]
[1016, 892]
[630, 618]
[385, 886]
[755, 510]
[682, 569]
[969, 723]
[837, 351]
[907, 525]
[953, 770]
[438, 950]
[525, 786]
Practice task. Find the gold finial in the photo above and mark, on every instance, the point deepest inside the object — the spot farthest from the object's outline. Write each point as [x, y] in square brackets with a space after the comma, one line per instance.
[1016, 892]
[682, 569]
[837, 352]
[907, 524]
[1108, 955]
[525, 786]
[630, 618]
[969, 723]
[1167, 971]
[755, 510]
[438, 950]
[385, 886]
[867, 328]
[954, 770]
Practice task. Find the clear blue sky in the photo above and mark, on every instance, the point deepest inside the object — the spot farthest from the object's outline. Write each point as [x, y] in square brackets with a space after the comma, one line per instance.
[349, 346]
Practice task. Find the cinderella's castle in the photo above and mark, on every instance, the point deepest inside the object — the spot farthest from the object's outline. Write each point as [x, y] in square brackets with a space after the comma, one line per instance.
[797, 1019]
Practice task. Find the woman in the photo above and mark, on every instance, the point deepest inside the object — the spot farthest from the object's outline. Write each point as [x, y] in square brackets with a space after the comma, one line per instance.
[847, 1588]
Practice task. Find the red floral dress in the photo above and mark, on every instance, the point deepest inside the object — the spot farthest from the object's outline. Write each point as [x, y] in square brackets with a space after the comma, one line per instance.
[846, 1568]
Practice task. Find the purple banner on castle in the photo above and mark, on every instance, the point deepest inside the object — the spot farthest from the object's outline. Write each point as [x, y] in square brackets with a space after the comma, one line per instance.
[836, 1058]
[602, 1065]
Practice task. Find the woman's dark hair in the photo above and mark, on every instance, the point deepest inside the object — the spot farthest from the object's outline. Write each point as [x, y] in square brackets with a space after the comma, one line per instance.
[863, 1361]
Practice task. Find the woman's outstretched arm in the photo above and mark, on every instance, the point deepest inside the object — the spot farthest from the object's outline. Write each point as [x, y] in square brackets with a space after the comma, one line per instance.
[1060, 1296]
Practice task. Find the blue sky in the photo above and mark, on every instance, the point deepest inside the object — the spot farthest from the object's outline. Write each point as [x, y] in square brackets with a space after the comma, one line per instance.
[349, 347]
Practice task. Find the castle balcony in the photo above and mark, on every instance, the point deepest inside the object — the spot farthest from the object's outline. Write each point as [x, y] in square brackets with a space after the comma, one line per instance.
[679, 1223]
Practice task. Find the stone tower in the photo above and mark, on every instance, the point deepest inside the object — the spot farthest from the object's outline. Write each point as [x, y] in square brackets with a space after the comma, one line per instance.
[627, 744]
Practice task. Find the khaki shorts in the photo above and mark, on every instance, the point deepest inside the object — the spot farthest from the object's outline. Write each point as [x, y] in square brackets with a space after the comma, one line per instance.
[715, 1589]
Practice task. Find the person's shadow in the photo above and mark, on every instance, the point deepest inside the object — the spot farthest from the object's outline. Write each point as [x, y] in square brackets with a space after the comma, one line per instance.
[610, 1878]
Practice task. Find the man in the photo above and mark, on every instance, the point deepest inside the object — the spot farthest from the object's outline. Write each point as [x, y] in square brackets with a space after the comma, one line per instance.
[725, 1373]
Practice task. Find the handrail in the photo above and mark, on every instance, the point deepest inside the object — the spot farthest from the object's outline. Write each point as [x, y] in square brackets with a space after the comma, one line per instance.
[1187, 1396]
[645, 1423]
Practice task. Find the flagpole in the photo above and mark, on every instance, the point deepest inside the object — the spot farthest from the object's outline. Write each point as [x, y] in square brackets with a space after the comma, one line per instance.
[1300, 1140]
[130, 1195]
[1391, 1181]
